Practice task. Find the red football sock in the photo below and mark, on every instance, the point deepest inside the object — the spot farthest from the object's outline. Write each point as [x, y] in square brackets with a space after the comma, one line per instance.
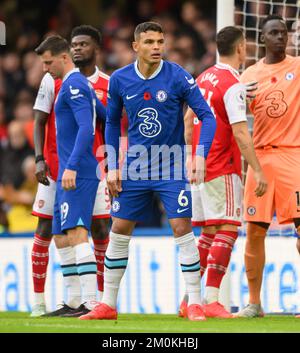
[39, 258]
[204, 244]
[100, 247]
[219, 257]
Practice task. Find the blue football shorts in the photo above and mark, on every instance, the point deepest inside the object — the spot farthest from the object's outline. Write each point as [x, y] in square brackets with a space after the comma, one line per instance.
[74, 208]
[135, 201]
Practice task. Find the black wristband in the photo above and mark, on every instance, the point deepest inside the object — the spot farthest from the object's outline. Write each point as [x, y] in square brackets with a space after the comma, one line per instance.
[39, 158]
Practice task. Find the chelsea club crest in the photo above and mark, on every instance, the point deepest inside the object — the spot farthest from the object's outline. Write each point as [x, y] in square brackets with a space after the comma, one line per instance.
[161, 96]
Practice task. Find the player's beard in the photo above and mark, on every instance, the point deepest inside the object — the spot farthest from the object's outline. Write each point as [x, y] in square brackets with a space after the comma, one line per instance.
[84, 62]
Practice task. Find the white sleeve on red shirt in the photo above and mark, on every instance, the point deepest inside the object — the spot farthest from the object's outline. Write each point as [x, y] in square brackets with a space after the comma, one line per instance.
[45, 97]
[235, 103]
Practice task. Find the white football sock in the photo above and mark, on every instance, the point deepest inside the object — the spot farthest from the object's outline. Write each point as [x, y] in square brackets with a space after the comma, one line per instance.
[211, 294]
[100, 296]
[115, 264]
[87, 271]
[190, 266]
[39, 298]
[70, 276]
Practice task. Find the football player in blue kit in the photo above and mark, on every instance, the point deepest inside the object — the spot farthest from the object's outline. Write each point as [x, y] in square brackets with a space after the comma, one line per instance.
[76, 108]
[153, 92]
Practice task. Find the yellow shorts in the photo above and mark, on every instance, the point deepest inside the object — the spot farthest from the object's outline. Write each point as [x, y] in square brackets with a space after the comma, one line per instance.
[282, 170]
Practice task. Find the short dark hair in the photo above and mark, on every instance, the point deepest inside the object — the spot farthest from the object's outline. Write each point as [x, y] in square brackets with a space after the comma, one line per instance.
[87, 30]
[147, 26]
[270, 18]
[55, 44]
[227, 38]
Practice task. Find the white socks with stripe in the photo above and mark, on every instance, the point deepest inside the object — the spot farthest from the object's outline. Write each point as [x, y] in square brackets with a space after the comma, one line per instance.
[70, 276]
[211, 294]
[115, 263]
[87, 271]
[190, 266]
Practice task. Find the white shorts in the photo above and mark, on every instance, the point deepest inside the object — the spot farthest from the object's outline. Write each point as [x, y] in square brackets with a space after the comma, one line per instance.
[44, 201]
[218, 201]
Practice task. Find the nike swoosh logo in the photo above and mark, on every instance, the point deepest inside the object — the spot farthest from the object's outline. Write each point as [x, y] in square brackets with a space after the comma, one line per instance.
[190, 81]
[181, 210]
[129, 97]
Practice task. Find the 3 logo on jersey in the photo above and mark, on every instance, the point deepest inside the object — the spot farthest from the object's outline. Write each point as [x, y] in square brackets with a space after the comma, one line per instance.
[150, 127]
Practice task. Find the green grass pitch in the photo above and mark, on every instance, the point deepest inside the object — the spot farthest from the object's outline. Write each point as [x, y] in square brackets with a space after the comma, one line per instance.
[16, 322]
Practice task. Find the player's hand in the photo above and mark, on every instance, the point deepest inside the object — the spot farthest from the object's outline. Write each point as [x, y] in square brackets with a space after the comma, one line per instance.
[197, 171]
[114, 182]
[251, 87]
[41, 170]
[261, 183]
[68, 181]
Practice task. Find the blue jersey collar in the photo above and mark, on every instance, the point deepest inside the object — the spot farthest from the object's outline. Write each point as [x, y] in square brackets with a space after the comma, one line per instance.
[155, 73]
[70, 73]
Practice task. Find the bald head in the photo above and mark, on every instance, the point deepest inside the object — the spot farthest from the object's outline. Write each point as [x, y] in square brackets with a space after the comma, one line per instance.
[274, 36]
[16, 134]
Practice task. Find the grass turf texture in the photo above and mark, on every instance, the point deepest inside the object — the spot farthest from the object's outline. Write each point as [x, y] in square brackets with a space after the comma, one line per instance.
[16, 322]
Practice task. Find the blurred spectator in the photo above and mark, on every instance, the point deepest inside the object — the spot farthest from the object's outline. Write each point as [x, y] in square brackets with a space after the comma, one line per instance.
[122, 53]
[21, 200]
[177, 56]
[13, 155]
[190, 13]
[23, 111]
[144, 11]
[13, 77]
[18, 183]
[189, 28]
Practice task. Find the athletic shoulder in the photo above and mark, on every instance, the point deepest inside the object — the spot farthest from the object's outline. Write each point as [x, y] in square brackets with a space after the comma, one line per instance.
[76, 77]
[123, 72]
[293, 59]
[250, 72]
[48, 79]
[176, 68]
[104, 75]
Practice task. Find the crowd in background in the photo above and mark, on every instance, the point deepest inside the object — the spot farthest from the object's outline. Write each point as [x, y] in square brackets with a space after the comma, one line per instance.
[189, 26]
[189, 31]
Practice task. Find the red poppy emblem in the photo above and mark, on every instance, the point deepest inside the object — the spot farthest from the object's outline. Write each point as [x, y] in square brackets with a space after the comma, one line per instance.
[147, 96]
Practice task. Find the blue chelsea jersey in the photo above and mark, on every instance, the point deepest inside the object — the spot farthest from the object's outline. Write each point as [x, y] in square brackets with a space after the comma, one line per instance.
[75, 126]
[154, 106]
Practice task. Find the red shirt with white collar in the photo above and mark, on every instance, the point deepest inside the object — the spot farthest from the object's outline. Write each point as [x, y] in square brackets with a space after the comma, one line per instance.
[226, 96]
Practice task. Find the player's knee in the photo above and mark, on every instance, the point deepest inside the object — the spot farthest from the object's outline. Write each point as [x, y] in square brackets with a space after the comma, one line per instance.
[61, 241]
[228, 227]
[100, 228]
[297, 225]
[209, 229]
[122, 226]
[180, 226]
[256, 231]
[44, 228]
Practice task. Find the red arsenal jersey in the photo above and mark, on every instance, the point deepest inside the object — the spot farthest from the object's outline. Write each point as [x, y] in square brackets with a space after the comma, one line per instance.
[99, 81]
[226, 96]
[47, 94]
[45, 99]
